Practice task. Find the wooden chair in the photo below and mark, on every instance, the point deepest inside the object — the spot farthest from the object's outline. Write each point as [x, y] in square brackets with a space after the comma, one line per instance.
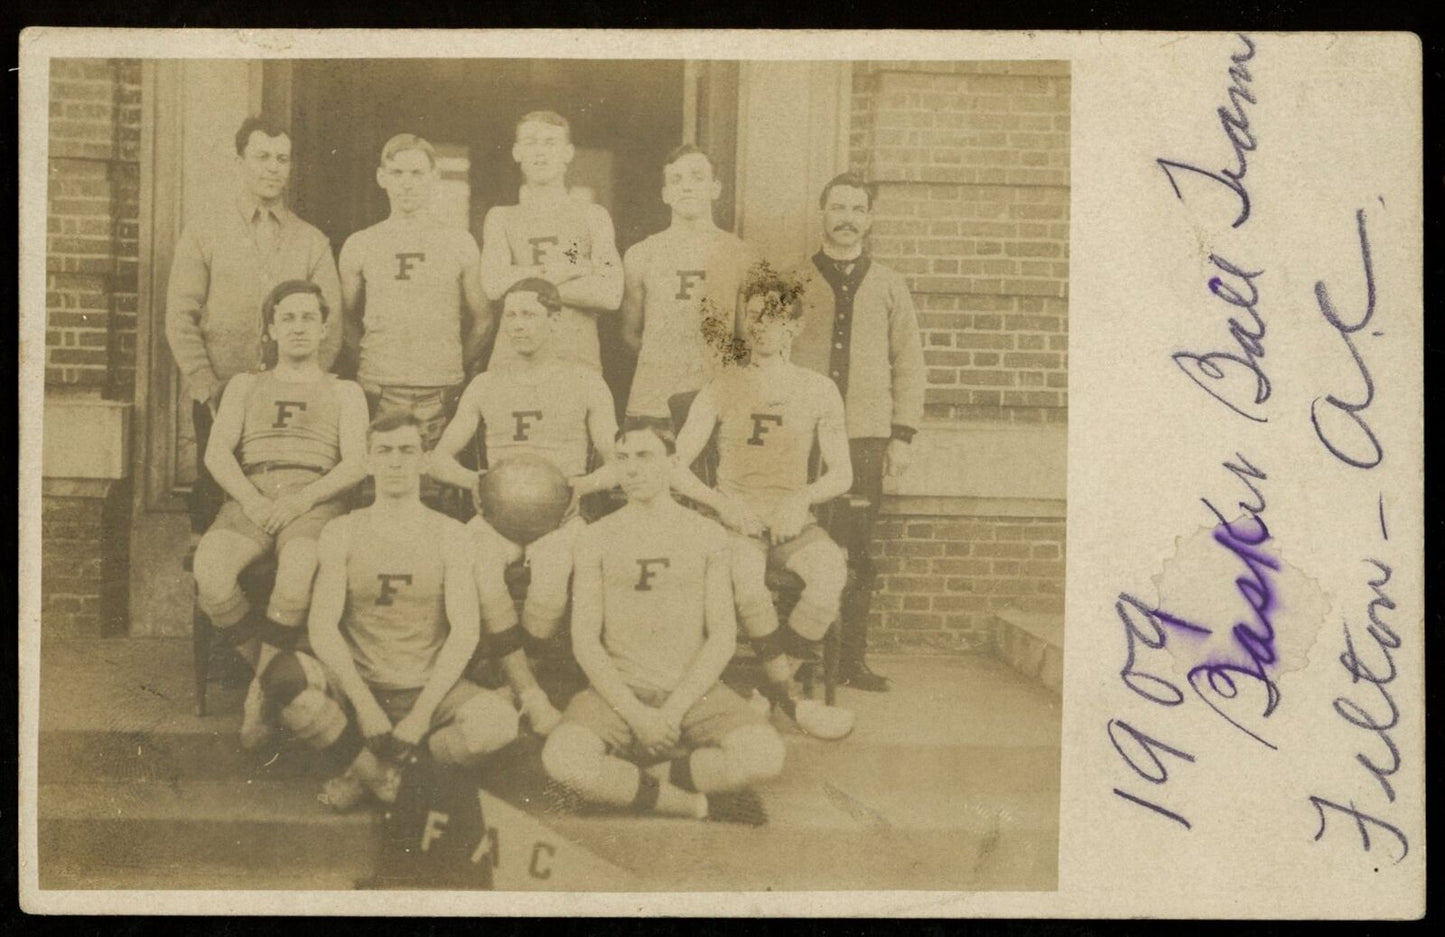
[839, 517]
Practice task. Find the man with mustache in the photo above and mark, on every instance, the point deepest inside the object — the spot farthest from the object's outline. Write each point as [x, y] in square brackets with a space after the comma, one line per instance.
[861, 330]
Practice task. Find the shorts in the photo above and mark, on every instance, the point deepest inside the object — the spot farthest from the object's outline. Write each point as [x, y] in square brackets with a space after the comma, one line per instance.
[273, 483]
[397, 703]
[432, 406]
[779, 554]
[712, 718]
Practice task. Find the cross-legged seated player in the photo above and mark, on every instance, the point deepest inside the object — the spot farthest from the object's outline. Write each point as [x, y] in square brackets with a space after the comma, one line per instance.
[653, 626]
[543, 406]
[286, 443]
[393, 624]
[769, 415]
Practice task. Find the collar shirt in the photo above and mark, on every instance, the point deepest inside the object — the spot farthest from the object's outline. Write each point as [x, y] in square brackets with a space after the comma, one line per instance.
[223, 269]
[861, 329]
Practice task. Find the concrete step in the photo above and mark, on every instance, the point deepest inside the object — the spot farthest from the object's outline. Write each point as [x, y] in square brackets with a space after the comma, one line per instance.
[210, 835]
[949, 781]
[196, 833]
[1033, 644]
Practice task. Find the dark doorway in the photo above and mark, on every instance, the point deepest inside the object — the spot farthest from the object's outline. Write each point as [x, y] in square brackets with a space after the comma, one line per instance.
[626, 116]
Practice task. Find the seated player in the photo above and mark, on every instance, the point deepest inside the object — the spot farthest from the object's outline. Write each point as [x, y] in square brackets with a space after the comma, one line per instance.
[393, 624]
[286, 444]
[677, 280]
[769, 415]
[653, 626]
[543, 406]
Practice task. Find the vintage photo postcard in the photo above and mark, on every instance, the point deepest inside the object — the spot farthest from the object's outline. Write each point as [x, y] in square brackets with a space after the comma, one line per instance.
[809, 474]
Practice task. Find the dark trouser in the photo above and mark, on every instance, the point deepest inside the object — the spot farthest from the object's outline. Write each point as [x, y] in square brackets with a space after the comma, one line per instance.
[206, 495]
[867, 458]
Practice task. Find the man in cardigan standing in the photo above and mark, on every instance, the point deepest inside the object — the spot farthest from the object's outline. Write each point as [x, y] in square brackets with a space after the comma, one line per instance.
[224, 267]
[862, 331]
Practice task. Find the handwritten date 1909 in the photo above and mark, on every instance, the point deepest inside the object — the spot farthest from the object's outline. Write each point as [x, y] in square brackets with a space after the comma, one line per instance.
[1213, 680]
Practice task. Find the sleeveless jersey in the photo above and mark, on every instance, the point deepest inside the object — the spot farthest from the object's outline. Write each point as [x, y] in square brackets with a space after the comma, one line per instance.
[766, 436]
[291, 422]
[552, 232]
[684, 275]
[654, 591]
[395, 620]
[412, 325]
[541, 413]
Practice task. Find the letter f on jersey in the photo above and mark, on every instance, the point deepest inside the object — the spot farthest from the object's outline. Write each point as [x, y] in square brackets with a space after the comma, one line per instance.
[388, 586]
[760, 427]
[284, 412]
[686, 280]
[405, 261]
[647, 573]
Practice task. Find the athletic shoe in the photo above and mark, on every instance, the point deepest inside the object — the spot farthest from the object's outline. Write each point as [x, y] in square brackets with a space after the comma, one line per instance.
[384, 785]
[256, 729]
[343, 792]
[541, 715]
[743, 806]
[822, 722]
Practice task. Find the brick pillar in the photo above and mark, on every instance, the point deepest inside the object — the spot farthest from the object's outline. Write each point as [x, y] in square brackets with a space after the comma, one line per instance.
[85, 561]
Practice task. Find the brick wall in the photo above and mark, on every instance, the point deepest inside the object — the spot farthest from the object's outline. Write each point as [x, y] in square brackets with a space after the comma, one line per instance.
[971, 160]
[84, 566]
[940, 579]
[91, 266]
[93, 224]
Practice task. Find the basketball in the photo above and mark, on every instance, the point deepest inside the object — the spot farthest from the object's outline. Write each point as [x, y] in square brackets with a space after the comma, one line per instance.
[524, 497]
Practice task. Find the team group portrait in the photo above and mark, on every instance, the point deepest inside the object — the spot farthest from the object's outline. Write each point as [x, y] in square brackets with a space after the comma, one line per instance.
[554, 475]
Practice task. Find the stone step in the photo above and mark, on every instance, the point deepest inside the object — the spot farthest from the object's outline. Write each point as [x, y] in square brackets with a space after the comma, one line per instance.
[1033, 644]
[192, 833]
[949, 781]
[233, 835]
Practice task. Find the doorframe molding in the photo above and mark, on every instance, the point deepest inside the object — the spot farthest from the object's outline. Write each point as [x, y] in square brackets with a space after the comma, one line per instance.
[161, 198]
[780, 169]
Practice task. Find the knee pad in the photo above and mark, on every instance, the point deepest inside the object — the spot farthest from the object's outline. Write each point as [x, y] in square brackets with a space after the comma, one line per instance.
[315, 718]
[485, 723]
[277, 634]
[571, 753]
[757, 752]
[770, 645]
[225, 612]
[796, 645]
[824, 568]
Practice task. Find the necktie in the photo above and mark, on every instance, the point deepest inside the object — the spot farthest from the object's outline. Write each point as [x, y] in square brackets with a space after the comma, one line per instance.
[265, 228]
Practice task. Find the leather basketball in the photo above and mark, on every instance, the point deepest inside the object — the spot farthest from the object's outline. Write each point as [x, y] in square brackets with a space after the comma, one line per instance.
[524, 497]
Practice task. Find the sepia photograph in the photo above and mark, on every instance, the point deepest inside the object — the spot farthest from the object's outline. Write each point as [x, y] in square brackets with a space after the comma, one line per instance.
[648, 473]
[572, 475]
